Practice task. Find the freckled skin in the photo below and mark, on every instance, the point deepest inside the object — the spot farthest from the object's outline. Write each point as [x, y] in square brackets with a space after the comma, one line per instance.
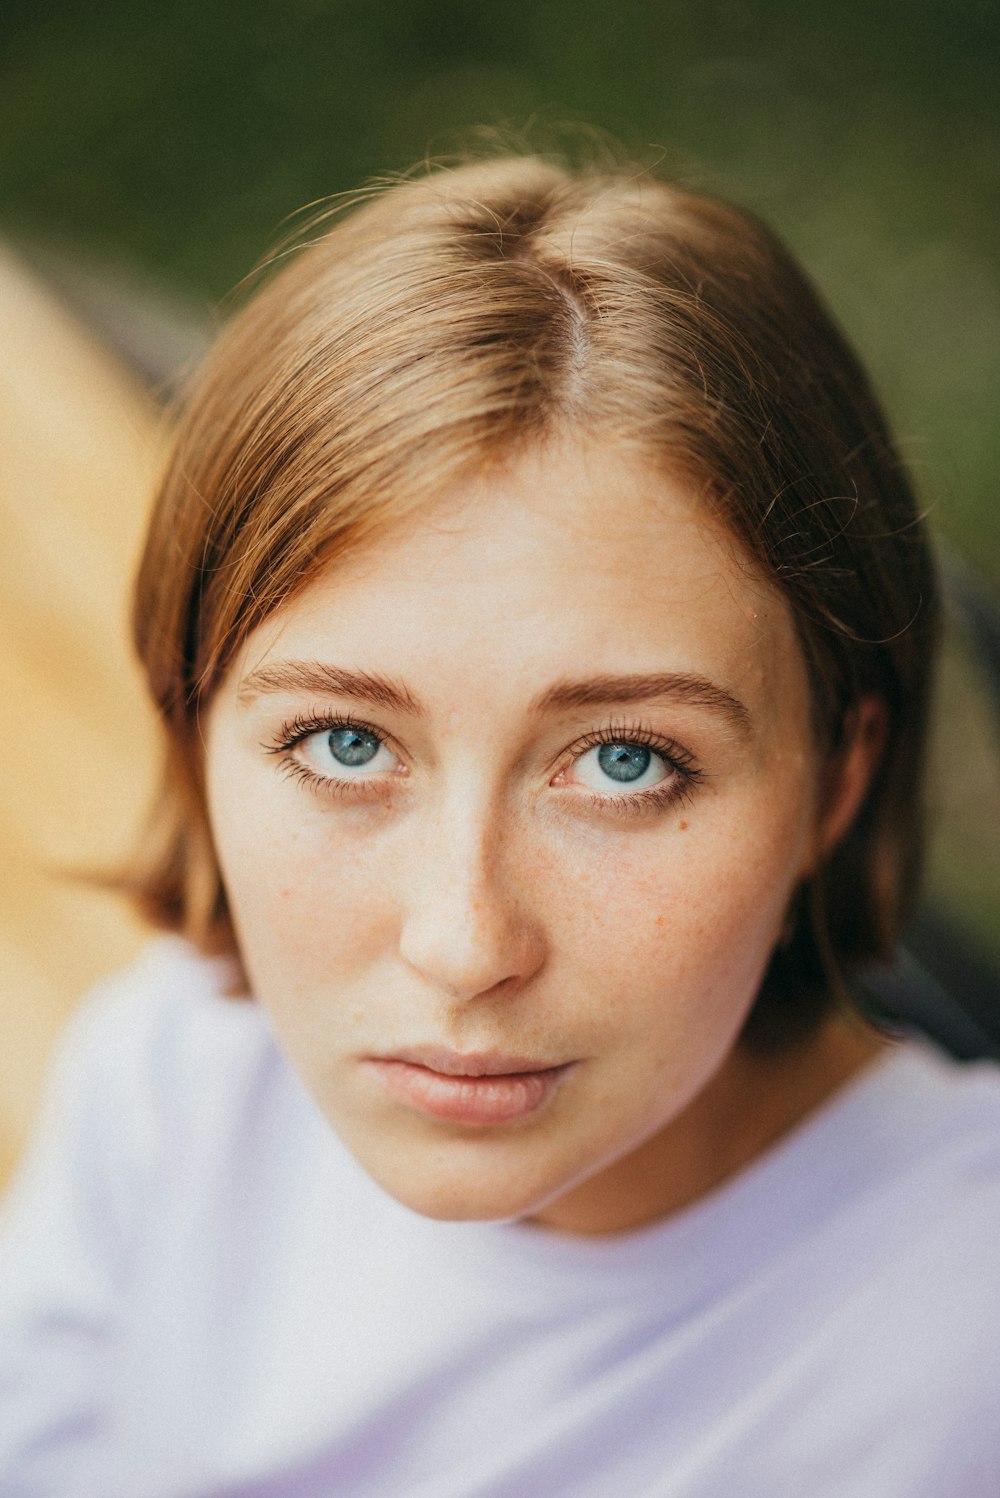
[481, 900]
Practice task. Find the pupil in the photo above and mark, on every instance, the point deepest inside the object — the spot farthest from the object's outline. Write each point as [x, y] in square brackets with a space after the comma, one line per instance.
[624, 761]
[352, 746]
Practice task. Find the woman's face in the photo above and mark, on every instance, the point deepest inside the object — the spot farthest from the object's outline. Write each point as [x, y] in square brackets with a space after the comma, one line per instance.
[510, 808]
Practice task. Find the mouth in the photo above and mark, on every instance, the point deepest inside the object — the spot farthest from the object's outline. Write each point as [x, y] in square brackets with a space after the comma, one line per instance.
[479, 1088]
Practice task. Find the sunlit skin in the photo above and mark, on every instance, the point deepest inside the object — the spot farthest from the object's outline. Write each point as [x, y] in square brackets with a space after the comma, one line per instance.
[475, 881]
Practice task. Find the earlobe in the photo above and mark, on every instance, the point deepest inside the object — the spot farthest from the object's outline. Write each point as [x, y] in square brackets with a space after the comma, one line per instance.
[850, 770]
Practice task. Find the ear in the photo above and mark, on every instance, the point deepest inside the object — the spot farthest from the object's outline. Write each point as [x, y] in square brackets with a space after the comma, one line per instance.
[849, 771]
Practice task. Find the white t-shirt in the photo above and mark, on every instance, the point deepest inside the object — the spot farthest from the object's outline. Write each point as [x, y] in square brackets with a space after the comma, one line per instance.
[202, 1294]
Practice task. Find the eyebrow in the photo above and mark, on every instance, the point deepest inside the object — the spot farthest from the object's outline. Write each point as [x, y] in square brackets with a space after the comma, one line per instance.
[316, 676]
[599, 691]
[591, 691]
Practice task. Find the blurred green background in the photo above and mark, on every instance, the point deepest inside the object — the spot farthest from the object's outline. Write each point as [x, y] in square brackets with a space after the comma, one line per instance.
[169, 141]
[175, 137]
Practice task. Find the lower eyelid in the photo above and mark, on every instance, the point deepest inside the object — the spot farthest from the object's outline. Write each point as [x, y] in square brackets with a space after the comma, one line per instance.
[673, 791]
[356, 788]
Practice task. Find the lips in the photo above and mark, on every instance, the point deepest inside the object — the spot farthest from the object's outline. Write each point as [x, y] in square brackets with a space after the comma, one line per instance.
[479, 1088]
[469, 1064]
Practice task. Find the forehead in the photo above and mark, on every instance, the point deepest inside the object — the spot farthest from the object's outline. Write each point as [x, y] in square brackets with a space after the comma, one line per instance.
[566, 559]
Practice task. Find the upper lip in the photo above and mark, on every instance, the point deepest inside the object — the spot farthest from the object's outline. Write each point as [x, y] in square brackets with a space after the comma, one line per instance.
[469, 1063]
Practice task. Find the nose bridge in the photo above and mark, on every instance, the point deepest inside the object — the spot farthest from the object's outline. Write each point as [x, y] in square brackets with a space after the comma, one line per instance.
[466, 927]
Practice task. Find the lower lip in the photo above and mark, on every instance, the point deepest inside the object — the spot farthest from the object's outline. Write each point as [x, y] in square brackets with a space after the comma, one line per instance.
[469, 1100]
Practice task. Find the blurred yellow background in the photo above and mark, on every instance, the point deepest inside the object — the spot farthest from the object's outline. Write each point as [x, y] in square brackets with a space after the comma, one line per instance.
[80, 440]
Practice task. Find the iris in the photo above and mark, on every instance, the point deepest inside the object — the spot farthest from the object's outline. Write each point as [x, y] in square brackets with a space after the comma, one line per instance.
[624, 761]
[353, 746]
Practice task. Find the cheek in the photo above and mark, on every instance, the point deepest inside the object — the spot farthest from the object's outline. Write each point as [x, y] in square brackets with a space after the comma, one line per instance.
[684, 924]
[308, 895]
[662, 928]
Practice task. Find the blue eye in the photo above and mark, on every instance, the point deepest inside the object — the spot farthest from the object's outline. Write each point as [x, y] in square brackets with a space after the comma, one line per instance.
[624, 762]
[621, 765]
[347, 752]
[353, 746]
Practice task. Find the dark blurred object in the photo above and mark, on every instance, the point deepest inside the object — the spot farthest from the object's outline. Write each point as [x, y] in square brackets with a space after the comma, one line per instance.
[941, 986]
[158, 335]
[945, 983]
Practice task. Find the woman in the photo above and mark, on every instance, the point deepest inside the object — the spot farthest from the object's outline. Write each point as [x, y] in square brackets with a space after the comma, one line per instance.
[542, 627]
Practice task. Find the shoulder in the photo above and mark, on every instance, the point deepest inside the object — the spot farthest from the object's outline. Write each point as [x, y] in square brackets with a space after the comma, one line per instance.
[914, 1239]
[146, 1053]
[160, 1078]
[944, 1141]
[924, 1315]
[937, 1117]
[913, 1149]
[881, 1212]
[164, 1011]
[858, 1264]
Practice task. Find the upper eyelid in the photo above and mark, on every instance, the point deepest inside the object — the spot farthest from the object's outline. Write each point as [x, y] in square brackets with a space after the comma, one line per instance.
[679, 762]
[670, 749]
[294, 731]
[660, 743]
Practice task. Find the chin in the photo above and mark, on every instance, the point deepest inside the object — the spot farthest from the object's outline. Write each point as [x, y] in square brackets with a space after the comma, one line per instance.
[456, 1201]
[476, 1194]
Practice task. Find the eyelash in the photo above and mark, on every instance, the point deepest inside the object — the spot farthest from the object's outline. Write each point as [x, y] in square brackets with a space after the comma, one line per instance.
[303, 726]
[674, 791]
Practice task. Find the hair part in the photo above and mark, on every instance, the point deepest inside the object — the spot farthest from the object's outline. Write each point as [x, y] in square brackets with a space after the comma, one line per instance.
[453, 319]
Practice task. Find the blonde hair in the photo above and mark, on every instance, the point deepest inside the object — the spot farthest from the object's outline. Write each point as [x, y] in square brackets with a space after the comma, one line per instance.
[450, 318]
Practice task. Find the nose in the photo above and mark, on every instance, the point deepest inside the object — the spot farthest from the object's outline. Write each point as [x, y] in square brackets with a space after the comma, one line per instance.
[467, 929]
